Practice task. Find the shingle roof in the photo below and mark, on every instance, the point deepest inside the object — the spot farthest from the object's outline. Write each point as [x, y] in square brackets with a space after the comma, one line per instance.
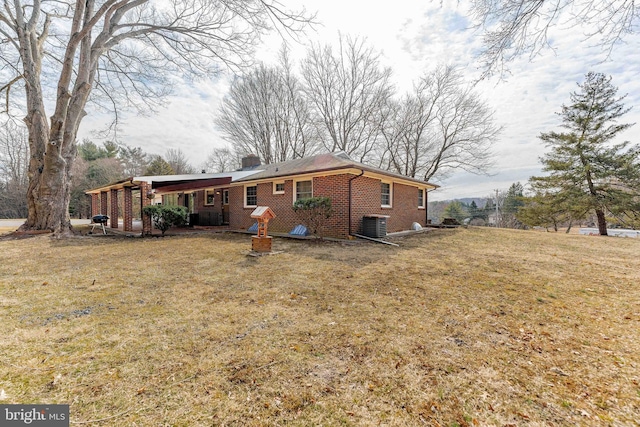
[319, 163]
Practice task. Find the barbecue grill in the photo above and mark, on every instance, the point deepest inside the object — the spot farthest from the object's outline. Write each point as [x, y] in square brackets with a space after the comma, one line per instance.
[99, 221]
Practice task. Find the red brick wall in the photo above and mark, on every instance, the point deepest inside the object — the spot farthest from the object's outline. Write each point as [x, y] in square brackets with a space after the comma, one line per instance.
[113, 214]
[104, 198]
[95, 204]
[128, 209]
[199, 205]
[145, 189]
[366, 201]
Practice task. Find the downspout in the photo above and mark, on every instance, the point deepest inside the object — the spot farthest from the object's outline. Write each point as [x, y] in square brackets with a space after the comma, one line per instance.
[351, 179]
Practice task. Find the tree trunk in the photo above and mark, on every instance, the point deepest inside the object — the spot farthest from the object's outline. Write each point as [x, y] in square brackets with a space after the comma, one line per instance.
[602, 222]
[569, 227]
[48, 196]
[52, 156]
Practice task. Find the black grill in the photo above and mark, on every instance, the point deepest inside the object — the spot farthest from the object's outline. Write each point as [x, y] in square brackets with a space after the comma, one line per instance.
[100, 219]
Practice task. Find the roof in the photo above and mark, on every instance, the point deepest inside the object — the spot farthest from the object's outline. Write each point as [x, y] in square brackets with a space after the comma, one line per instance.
[321, 163]
[166, 181]
[306, 165]
[235, 175]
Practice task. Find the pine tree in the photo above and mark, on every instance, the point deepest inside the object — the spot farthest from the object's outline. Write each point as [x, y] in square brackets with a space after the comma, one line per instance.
[455, 210]
[585, 168]
[512, 203]
[159, 166]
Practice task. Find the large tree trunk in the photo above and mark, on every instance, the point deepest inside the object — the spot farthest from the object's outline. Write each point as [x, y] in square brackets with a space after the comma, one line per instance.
[602, 222]
[53, 145]
[49, 194]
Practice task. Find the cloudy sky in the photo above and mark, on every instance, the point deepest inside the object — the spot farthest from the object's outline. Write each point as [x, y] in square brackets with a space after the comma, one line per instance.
[415, 37]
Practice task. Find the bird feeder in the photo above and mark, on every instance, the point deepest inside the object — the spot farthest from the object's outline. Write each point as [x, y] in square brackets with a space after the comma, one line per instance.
[262, 242]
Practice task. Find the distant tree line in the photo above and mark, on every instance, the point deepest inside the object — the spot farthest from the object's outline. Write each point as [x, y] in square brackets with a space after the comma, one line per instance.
[95, 165]
[498, 210]
[14, 163]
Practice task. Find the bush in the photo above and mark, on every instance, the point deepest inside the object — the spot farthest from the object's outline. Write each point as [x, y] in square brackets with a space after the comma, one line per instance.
[164, 216]
[314, 211]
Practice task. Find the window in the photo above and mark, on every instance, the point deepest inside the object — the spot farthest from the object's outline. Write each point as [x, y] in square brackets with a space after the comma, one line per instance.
[385, 191]
[304, 190]
[420, 198]
[209, 197]
[170, 199]
[251, 196]
[278, 187]
[225, 197]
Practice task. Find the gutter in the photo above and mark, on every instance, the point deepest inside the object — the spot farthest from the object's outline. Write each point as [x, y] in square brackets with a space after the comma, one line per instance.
[351, 179]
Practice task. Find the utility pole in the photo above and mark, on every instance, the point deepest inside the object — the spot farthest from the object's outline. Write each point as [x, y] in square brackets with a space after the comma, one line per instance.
[497, 211]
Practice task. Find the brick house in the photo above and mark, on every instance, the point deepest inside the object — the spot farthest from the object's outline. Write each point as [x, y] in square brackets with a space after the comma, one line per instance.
[356, 191]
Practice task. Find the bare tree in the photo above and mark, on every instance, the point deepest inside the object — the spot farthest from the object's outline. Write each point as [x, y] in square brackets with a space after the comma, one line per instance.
[516, 27]
[222, 160]
[14, 161]
[441, 127]
[111, 45]
[296, 120]
[265, 113]
[178, 161]
[348, 89]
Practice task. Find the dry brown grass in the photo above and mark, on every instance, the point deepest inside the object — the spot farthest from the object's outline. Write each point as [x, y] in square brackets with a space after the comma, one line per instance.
[6, 230]
[454, 328]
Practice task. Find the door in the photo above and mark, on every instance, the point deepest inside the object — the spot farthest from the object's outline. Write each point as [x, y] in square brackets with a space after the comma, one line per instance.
[225, 206]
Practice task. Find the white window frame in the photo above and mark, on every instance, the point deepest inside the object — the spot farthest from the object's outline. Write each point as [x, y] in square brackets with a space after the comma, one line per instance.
[208, 192]
[390, 205]
[245, 196]
[275, 183]
[424, 193]
[295, 187]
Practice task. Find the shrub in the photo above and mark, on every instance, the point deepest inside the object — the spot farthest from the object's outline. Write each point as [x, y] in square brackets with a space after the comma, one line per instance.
[314, 212]
[165, 216]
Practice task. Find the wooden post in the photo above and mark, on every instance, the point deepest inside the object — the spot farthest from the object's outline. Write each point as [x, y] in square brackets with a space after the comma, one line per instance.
[262, 242]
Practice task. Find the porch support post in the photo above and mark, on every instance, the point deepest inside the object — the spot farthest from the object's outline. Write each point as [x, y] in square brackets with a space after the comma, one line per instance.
[113, 217]
[95, 204]
[145, 188]
[103, 202]
[128, 209]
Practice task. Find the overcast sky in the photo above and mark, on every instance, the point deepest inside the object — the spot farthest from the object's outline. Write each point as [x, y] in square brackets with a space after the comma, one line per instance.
[414, 37]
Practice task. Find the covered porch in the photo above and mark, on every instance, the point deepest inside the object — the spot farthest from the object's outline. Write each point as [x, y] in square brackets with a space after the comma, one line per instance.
[124, 201]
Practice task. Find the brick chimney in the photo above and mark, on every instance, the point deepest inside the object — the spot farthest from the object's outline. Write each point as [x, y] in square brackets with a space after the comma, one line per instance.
[250, 161]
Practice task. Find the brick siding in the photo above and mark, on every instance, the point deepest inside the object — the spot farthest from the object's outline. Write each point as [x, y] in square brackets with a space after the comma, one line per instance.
[366, 200]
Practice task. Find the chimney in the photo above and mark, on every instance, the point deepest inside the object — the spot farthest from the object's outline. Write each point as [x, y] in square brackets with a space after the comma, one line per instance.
[250, 161]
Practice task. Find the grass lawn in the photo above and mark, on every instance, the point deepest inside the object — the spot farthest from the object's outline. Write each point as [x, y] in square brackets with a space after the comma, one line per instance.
[467, 327]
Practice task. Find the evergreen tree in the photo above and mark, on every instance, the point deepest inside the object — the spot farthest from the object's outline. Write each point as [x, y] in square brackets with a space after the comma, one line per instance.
[585, 169]
[455, 210]
[511, 204]
[159, 166]
[474, 212]
[549, 210]
[134, 160]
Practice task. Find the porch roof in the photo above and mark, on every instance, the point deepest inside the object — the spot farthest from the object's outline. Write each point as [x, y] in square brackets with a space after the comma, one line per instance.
[170, 183]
